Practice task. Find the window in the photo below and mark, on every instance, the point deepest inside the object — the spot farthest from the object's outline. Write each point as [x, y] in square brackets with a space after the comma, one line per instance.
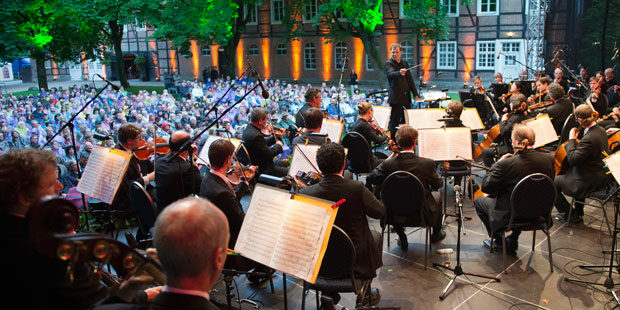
[407, 49]
[488, 7]
[253, 50]
[281, 49]
[510, 51]
[251, 14]
[340, 54]
[277, 11]
[206, 50]
[310, 10]
[446, 55]
[309, 57]
[485, 55]
[48, 64]
[401, 7]
[451, 7]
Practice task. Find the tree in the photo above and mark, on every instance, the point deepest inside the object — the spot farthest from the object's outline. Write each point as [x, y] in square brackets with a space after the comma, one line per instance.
[220, 22]
[601, 33]
[45, 30]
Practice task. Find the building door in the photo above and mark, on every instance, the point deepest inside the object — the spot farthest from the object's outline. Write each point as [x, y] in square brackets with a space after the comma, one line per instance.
[75, 70]
[511, 57]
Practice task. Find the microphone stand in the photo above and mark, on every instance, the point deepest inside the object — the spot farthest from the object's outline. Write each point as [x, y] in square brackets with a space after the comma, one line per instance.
[344, 64]
[214, 107]
[77, 160]
[458, 270]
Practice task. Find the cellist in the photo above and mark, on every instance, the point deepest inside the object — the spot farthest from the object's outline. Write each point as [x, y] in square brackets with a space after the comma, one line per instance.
[584, 160]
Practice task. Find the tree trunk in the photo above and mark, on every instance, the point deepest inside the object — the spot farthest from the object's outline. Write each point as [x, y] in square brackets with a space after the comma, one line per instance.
[41, 71]
[370, 46]
[116, 33]
[230, 48]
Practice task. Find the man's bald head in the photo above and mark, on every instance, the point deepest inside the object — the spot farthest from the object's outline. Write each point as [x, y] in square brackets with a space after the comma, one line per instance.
[177, 139]
[191, 235]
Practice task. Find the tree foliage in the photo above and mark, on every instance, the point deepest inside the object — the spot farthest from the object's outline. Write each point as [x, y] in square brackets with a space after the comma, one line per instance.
[592, 43]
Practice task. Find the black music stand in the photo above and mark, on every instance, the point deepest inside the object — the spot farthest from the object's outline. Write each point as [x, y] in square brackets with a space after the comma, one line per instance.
[472, 100]
[499, 89]
[458, 270]
[609, 282]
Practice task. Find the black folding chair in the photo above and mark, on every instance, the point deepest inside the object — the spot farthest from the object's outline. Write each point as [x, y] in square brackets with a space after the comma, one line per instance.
[146, 213]
[359, 156]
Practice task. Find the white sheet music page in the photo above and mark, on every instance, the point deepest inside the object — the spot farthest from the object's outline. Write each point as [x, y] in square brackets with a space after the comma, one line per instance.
[333, 129]
[424, 118]
[204, 152]
[282, 233]
[613, 164]
[445, 144]
[543, 129]
[382, 115]
[103, 173]
[306, 163]
[471, 119]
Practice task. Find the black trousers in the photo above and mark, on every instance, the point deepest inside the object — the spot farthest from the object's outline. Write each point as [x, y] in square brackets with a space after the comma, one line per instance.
[397, 117]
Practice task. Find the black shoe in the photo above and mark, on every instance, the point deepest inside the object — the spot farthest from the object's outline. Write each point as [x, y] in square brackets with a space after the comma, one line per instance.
[561, 216]
[327, 303]
[402, 241]
[497, 245]
[263, 276]
[438, 236]
[371, 299]
[512, 243]
[576, 219]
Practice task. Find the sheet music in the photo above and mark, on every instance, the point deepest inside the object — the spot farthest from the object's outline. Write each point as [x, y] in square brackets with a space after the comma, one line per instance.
[445, 144]
[284, 234]
[543, 129]
[382, 115]
[300, 163]
[333, 129]
[613, 164]
[203, 156]
[471, 119]
[424, 118]
[103, 173]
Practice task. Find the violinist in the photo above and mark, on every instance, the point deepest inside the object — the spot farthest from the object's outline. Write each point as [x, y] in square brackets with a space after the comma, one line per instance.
[220, 191]
[597, 99]
[371, 132]
[515, 88]
[314, 122]
[584, 158]
[612, 89]
[129, 136]
[477, 88]
[560, 109]
[542, 85]
[502, 178]
[176, 177]
[262, 150]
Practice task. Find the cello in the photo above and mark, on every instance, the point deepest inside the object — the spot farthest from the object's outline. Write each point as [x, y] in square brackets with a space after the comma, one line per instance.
[559, 159]
[494, 132]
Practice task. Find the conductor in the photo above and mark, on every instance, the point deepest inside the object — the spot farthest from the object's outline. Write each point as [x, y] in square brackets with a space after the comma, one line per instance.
[401, 86]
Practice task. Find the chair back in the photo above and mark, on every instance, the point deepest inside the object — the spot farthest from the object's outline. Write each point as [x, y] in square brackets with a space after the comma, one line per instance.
[339, 256]
[569, 124]
[403, 195]
[358, 155]
[143, 206]
[532, 200]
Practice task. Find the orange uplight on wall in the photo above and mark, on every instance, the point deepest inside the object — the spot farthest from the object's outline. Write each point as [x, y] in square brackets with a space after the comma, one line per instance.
[54, 69]
[358, 50]
[296, 55]
[195, 60]
[427, 50]
[153, 47]
[389, 40]
[105, 74]
[84, 66]
[326, 49]
[215, 57]
[173, 61]
[469, 53]
[265, 51]
[240, 57]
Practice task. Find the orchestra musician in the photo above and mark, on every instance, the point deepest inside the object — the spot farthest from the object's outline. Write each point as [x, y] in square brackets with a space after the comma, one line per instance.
[584, 158]
[559, 78]
[313, 100]
[352, 215]
[424, 169]
[584, 76]
[542, 85]
[561, 108]
[313, 121]
[129, 136]
[502, 178]
[220, 191]
[498, 78]
[597, 99]
[478, 88]
[176, 177]
[372, 133]
[262, 150]
[612, 89]
[401, 86]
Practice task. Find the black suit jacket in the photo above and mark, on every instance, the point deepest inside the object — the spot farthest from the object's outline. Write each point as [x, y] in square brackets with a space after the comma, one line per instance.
[166, 301]
[300, 122]
[421, 167]
[121, 201]
[362, 127]
[360, 202]
[505, 174]
[400, 87]
[559, 112]
[585, 163]
[175, 178]
[261, 154]
[312, 139]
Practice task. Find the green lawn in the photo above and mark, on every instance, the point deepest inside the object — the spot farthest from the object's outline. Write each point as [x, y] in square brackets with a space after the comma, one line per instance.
[25, 92]
[136, 89]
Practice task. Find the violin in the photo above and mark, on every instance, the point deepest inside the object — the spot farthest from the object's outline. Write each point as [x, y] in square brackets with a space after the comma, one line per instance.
[375, 127]
[538, 96]
[541, 105]
[239, 173]
[145, 149]
[270, 130]
[506, 95]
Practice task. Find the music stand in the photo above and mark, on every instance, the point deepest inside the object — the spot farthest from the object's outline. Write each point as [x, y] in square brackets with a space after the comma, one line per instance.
[499, 89]
[471, 100]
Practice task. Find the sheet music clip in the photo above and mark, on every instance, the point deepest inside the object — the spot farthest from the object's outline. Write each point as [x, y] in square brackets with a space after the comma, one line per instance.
[339, 203]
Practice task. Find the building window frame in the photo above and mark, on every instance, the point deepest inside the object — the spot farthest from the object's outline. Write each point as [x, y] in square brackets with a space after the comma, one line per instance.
[246, 11]
[447, 50]
[311, 10]
[277, 11]
[449, 5]
[309, 56]
[484, 7]
[253, 50]
[205, 50]
[486, 51]
[281, 49]
[340, 53]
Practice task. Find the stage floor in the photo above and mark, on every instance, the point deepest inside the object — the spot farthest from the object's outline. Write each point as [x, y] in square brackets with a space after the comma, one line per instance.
[529, 283]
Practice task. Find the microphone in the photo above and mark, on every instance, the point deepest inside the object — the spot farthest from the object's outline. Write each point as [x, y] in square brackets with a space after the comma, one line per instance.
[265, 93]
[615, 55]
[114, 86]
[457, 194]
[445, 119]
[499, 55]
